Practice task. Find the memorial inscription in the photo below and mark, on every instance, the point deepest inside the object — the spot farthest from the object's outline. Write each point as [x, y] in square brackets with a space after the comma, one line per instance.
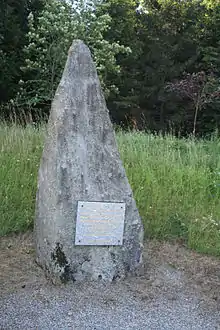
[100, 223]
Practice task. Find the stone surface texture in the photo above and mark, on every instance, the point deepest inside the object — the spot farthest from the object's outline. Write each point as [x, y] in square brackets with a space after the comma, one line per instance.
[81, 162]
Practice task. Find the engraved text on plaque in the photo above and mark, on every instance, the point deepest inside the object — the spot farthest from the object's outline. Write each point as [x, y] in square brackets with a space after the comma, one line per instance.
[100, 223]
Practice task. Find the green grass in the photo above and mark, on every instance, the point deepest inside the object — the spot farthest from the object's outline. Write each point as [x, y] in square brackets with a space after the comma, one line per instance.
[176, 184]
[19, 162]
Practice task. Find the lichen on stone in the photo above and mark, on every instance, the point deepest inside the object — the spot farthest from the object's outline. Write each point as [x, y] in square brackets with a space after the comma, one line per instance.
[61, 262]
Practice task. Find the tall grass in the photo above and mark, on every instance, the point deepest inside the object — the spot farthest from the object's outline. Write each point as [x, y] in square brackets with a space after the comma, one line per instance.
[176, 183]
[19, 161]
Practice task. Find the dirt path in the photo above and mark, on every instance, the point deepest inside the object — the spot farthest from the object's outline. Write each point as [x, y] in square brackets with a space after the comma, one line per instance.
[179, 289]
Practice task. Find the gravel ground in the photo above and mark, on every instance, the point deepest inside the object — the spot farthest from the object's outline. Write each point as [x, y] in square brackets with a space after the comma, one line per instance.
[111, 307]
[178, 290]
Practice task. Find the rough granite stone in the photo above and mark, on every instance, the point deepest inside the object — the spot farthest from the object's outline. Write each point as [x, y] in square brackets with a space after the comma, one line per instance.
[81, 162]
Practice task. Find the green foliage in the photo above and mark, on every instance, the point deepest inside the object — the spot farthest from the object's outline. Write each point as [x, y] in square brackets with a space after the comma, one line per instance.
[176, 183]
[49, 38]
[163, 47]
[169, 40]
[139, 47]
[12, 36]
[13, 29]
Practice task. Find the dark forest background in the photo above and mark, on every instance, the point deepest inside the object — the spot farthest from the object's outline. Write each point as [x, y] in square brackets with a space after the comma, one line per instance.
[158, 61]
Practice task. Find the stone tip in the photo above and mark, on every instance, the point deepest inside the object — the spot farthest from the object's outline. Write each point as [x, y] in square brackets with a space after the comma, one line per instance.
[79, 64]
[78, 46]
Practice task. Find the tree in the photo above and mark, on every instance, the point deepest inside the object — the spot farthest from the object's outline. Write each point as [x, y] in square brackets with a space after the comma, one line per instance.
[199, 88]
[161, 35]
[49, 38]
[123, 104]
[13, 29]
[140, 47]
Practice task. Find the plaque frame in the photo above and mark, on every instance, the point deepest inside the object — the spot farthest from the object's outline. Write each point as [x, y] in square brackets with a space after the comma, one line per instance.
[100, 223]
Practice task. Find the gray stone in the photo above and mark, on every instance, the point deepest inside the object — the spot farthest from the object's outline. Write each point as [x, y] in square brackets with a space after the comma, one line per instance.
[81, 162]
